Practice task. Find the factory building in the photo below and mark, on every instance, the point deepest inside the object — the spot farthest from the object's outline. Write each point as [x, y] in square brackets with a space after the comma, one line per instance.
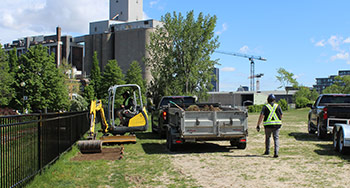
[64, 47]
[123, 37]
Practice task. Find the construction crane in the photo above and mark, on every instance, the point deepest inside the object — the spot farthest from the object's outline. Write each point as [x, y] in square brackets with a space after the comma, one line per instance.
[257, 81]
[252, 65]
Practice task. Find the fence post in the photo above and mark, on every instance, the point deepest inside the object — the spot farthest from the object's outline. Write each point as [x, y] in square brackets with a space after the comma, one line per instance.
[40, 125]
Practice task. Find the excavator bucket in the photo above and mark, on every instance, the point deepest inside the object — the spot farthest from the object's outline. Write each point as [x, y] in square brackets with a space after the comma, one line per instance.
[90, 146]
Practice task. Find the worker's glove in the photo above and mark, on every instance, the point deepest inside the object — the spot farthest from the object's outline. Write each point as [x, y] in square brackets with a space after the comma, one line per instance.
[258, 128]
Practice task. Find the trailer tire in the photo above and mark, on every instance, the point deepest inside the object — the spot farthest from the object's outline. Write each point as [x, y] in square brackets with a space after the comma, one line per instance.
[169, 141]
[342, 149]
[335, 140]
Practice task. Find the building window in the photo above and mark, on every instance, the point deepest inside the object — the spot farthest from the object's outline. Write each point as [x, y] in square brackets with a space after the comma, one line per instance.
[95, 29]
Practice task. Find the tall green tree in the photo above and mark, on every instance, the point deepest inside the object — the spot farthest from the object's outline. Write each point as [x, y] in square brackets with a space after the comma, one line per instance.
[95, 75]
[134, 76]
[341, 85]
[286, 79]
[179, 54]
[6, 80]
[41, 81]
[112, 75]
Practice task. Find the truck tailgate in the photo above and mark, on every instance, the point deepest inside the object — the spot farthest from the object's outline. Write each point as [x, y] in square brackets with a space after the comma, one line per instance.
[213, 123]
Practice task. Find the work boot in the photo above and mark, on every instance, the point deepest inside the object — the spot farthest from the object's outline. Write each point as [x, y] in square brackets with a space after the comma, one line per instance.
[275, 156]
[266, 153]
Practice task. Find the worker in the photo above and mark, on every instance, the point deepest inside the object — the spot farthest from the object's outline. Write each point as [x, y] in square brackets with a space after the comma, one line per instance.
[126, 108]
[271, 113]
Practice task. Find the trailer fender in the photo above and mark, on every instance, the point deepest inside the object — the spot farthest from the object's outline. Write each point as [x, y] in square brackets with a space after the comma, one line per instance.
[345, 128]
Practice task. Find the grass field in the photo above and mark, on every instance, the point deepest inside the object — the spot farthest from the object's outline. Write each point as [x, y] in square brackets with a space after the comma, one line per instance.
[304, 161]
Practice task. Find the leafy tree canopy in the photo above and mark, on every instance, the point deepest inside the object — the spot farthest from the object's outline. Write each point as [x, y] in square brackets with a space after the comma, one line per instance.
[341, 85]
[6, 80]
[134, 76]
[179, 54]
[286, 79]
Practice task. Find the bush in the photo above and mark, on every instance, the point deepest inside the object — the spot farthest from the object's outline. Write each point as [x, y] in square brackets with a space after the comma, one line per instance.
[255, 108]
[301, 102]
[78, 103]
[284, 105]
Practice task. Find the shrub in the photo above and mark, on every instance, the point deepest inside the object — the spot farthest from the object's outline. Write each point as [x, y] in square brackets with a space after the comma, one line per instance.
[284, 105]
[301, 102]
[255, 108]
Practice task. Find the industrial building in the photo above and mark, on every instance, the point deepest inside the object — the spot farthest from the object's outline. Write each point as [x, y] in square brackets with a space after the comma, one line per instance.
[323, 83]
[64, 47]
[246, 98]
[123, 37]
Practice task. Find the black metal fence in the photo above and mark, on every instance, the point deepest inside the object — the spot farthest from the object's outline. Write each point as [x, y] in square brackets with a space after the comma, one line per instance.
[30, 142]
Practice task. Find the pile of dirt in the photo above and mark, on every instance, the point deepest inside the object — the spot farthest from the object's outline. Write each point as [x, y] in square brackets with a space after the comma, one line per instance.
[205, 108]
[106, 154]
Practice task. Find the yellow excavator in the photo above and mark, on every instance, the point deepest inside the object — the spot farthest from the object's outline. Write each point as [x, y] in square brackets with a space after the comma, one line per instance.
[136, 120]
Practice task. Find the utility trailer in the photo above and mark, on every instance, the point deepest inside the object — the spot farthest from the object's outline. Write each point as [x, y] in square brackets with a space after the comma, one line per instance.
[341, 136]
[226, 123]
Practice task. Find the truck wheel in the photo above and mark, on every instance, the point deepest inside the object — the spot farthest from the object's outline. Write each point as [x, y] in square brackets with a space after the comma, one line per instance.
[342, 149]
[335, 140]
[242, 145]
[169, 141]
[310, 129]
[320, 133]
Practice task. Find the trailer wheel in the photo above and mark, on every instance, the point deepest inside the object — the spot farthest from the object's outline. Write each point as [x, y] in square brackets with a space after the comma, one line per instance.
[169, 141]
[342, 149]
[335, 140]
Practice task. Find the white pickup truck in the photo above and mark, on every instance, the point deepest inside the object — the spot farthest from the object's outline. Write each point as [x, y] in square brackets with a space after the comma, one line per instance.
[222, 124]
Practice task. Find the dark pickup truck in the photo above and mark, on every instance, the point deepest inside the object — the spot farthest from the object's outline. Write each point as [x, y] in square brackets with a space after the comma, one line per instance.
[328, 110]
[160, 116]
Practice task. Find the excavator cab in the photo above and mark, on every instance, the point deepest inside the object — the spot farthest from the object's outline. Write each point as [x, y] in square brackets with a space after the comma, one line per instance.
[136, 121]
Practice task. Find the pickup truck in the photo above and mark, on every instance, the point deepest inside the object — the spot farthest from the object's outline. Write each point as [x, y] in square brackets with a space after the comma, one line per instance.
[160, 115]
[328, 110]
[219, 123]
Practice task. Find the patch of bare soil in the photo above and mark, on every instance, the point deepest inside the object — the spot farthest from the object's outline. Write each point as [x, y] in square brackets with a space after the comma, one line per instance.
[300, 166]
[106, 154]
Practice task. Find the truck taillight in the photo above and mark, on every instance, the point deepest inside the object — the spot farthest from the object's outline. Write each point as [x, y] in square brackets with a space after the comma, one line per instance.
[325, 114]
[164, 115]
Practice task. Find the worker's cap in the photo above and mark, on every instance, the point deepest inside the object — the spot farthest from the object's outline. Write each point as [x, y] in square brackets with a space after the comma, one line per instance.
[271, 98]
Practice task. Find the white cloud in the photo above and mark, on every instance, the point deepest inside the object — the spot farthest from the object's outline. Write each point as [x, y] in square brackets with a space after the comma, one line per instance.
[347, 40]
[223, 29]
[341, 56]
[335, 42]
[152, 3]
[244, 49]
[21, 18]
[145, 16]
[228, 69]
[320, 43]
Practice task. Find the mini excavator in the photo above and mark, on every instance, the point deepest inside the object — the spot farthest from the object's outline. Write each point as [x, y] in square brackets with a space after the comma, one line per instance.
[137, 120]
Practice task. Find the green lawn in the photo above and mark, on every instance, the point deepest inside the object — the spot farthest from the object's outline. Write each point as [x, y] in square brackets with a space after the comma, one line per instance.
[148, 163]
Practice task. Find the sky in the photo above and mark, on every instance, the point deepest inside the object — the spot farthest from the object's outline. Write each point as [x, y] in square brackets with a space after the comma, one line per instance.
[310, 39]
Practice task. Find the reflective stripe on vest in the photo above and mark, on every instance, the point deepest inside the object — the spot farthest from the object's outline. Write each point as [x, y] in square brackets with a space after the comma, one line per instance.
[273, 115]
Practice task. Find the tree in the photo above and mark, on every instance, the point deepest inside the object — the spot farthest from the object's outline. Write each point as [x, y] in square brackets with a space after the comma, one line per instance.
[6, 80]
[112, 75]
[286, 78]
[134, 76]
[95, 76]
[304, 96]
[341, 85]
[179, 55]
[41, 81]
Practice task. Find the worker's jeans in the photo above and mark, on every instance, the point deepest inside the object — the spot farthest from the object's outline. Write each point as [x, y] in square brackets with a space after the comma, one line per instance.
[275, 132]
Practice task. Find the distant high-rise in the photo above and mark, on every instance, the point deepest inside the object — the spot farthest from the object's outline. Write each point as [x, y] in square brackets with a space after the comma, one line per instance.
[323, 83]
[125, 10]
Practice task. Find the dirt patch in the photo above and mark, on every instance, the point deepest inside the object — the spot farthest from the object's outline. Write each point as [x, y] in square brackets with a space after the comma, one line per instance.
[106, 154]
